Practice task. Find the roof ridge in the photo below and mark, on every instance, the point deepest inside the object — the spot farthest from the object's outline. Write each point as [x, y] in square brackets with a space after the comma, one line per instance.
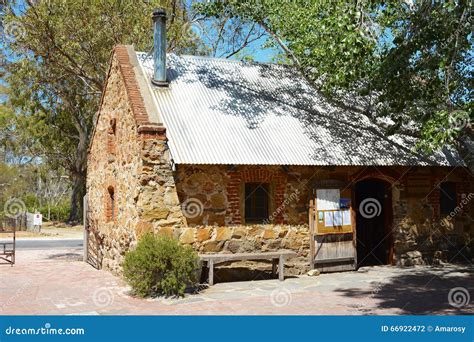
[219, 59]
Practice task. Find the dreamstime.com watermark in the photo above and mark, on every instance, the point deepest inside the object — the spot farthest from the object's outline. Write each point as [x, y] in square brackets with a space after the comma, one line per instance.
[370, 301]
[14, 207]
[46, 330]
[192, 207]
[103, 297]
[459, 119]
[459, 297]
[18, 294]
[281, 297]
[370, 208]
[458, 209]
[292, 197]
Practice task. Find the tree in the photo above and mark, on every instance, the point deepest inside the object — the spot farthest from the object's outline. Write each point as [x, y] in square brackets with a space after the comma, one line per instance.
[410, 61]
[56, 58]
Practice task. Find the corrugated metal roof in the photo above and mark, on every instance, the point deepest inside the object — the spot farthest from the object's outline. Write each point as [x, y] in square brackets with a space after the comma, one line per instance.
[218, 111]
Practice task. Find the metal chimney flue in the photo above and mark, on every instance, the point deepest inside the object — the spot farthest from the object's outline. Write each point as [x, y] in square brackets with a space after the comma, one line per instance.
[159, 48]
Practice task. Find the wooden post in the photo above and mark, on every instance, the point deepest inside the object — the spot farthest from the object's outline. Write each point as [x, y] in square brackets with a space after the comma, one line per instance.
[311, 233]
[86, 235]
[274, 263]
[281, 268]
[210, 264]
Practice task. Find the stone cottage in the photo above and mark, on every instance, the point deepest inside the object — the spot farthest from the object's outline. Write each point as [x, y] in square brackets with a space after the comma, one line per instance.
[235, 157]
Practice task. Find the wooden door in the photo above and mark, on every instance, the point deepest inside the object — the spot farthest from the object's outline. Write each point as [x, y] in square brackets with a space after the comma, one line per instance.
[332, 248]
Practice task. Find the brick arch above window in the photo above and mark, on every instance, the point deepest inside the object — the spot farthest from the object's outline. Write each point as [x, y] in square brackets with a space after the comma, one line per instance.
[383, 174]
[237, 179]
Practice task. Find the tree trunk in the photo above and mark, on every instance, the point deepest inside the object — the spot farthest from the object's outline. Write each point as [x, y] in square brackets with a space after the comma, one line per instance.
[78, 192]
[79, 172]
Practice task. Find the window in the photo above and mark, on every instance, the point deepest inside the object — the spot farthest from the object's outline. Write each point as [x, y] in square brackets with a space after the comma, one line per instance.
[111, 136]
[110, 210]
[447, 197]
[256, 202]
[113, 126]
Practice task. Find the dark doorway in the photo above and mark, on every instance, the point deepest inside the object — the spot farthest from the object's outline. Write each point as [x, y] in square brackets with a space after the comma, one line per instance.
[373, 199]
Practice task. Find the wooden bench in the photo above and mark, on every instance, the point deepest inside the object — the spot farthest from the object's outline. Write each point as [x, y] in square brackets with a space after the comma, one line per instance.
[277, 257]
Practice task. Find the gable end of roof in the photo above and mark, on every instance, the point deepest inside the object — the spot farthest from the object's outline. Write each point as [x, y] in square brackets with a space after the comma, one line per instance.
[138, 93]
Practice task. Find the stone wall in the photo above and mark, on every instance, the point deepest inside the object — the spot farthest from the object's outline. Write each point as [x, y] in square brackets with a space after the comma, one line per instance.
[197, 206]
[114, 162]
[421, 234]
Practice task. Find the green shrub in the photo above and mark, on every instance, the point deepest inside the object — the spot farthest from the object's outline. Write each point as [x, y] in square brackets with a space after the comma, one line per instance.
[159, 266]
[59, 212]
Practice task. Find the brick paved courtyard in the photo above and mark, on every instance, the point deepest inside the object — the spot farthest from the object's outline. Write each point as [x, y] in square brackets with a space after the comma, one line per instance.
[56, 282]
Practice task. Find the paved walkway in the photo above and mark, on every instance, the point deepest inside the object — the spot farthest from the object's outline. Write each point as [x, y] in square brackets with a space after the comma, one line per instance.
[56, 282]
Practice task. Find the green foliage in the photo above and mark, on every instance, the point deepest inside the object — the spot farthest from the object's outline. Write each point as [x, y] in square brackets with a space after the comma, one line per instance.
[323, 38]
[56, 58]
[159, 265]
[38, 187]
[413, 58]
[58, 212]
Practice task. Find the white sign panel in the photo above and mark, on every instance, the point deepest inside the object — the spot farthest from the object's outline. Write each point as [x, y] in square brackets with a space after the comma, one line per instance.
[346, 217]
[338, 218]
[37, 219]
[328, 219]
[328, 199]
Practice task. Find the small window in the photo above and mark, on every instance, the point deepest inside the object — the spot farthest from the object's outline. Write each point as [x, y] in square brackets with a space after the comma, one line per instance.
[447, 197]
[111, 137]
[256, 202]
[113, 126]
[111, 204]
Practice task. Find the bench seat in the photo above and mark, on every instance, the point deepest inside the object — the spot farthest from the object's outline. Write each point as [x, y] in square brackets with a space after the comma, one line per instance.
[276, 256]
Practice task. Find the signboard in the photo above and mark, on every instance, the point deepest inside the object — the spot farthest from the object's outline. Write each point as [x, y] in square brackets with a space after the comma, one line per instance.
[327, 199]
[37, 220]
[333, 211]
[344, 203]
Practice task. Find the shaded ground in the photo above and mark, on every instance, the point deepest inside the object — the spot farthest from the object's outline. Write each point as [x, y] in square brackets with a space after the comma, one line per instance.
[57, 282]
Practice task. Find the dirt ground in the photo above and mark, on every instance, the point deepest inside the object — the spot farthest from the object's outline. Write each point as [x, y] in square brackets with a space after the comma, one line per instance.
[50, 230]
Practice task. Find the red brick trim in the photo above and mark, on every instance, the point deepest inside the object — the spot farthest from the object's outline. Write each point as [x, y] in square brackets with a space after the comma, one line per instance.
[152, 132]
[250, 175]
[132, 88]
[135, 99]
[381, 173]
[152, 129]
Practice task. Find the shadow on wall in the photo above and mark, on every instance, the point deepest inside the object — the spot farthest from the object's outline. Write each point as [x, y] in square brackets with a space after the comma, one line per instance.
[421, 292]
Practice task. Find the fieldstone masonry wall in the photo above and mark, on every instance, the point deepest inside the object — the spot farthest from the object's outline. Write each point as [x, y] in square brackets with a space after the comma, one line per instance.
[421, 234]
[114, 161]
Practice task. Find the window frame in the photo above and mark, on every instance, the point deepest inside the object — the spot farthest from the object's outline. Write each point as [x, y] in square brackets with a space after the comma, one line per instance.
[265, 216]
[447, 205]
[112, 137]
[111, 205]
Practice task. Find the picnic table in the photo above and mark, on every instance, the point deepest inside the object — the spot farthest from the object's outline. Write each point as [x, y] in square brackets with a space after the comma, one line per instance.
[277, 257]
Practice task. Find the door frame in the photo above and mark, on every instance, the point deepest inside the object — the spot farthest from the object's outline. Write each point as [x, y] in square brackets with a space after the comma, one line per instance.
[387, 181]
